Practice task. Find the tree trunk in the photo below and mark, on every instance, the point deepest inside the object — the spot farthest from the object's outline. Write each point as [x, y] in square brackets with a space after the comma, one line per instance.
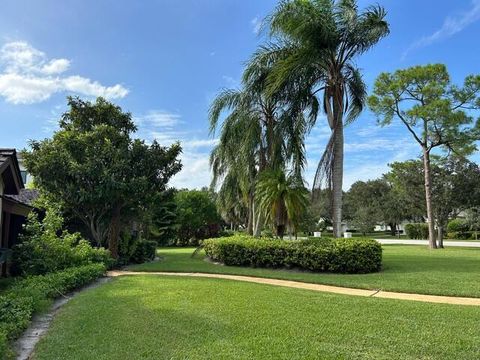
[440, 235]
[250, 215]
[258, 224]
[114, 233]
[393, 229]
[428, 197]
[337, 180]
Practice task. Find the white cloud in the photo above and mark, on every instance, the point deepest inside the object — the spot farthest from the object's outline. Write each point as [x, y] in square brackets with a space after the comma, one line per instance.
[160, 119]
[56, 66]
[195, 172]
[167, 128]
[451, 26]
[256, 24]
[199, 143]
[28, 76]
[378, 144]
[231, 82]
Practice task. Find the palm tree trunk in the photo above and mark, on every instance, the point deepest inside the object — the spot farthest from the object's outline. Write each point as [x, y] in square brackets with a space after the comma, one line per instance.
[250, 216]
[258, 224]
[337, 179]
[428, 197]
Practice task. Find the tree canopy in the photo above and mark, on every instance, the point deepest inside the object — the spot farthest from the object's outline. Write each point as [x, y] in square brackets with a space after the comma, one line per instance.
[95, 168]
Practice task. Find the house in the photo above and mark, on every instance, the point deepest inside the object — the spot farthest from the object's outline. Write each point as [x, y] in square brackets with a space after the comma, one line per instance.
[15, 203]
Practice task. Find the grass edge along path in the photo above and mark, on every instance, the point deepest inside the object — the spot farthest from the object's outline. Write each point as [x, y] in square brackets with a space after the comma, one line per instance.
[452, 300]
[406, 269]
[167, 317]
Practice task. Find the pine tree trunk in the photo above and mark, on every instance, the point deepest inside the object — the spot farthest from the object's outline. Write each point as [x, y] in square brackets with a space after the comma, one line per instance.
[114, 233]
[440, 235]
[428, 197]
[337, 180]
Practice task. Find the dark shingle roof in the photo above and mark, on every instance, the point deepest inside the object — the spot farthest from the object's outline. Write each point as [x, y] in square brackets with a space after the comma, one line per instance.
[26, 196]
[5, 154]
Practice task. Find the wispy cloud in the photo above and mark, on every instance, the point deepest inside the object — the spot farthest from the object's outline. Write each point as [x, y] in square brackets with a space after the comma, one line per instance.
[256, 24]
[230, 81]
[169, 127]
[451, 26]
[28, 76]
[159, 118]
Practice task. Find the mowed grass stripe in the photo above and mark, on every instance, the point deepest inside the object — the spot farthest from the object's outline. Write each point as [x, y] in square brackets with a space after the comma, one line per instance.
[164, 317]
[410, 269]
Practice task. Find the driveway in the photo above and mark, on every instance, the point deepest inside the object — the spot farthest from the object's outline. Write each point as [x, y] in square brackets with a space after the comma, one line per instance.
[475, 244]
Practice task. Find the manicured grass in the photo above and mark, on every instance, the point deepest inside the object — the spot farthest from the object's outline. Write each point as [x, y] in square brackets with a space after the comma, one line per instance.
[155, 317]
[414, 269]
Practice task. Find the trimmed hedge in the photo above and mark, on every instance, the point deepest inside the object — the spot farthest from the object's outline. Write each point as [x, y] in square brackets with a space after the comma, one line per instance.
[353, 256]
[28, 295]
[145, 250]
[417, 231]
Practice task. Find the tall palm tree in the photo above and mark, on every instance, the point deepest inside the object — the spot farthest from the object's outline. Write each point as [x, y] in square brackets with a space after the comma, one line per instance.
[234, 161]
[256, 135]
[283, 199]
[312, 51]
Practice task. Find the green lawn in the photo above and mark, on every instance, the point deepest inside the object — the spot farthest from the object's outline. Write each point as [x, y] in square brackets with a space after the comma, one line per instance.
[415, 269]
[155, 317]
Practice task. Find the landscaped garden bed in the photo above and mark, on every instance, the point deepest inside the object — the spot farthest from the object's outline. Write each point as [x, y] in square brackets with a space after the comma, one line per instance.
[31, 294]
[326, 255]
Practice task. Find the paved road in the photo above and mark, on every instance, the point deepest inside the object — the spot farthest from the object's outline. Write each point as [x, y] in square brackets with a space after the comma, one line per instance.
[425, 242]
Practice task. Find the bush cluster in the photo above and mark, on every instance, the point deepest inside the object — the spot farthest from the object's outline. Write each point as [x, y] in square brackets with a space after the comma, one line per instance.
[134, 250]
[28, 295]
[459, 229]
[44, 247]
[145, 250]
[417, 231]
[355, 255]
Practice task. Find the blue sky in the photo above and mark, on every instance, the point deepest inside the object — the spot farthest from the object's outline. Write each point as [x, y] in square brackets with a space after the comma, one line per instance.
[164, 61]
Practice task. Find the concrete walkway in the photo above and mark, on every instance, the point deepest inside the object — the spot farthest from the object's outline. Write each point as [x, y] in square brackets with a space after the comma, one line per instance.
[447, 243]
[317, 287]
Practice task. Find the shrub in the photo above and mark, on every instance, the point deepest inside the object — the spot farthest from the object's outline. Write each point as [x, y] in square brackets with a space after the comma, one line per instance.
[196, 217]
[417, 230]
[28, 295]
[135, 250]
[355, 255]
[145, 250]
[461, 235]
[459, 229]
[41, 250]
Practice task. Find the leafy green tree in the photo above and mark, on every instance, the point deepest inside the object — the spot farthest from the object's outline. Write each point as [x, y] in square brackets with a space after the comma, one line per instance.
[435, 112]
[314, 44]
[97, 171]
[407, 181]
[375, 201]
[455, 185]
[365, 202]
[197, 217]
[283, 199]
[473, 220]
[454, 188]
[159, 217]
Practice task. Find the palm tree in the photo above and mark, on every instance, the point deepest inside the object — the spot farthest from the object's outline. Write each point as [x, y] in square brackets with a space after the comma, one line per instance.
[312, 51]
[234, 163]
[256, 135]
[283, 199]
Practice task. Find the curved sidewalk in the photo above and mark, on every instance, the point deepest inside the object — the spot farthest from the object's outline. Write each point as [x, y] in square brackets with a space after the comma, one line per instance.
[317, 287]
